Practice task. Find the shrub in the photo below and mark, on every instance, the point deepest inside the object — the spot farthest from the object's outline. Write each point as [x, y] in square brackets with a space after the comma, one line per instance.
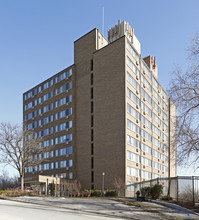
[96, 193]
[153, 191]
[110, 193]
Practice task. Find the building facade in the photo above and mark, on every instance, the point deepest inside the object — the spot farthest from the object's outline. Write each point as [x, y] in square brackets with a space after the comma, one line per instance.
[107, 113]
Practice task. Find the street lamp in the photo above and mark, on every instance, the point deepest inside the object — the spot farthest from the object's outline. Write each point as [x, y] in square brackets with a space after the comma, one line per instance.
[103, 174]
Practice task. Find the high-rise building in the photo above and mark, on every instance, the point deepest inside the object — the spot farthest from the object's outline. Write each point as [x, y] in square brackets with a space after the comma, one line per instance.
[107, 113]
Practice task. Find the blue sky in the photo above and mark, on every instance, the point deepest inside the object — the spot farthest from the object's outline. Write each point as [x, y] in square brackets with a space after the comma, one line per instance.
[36, 38]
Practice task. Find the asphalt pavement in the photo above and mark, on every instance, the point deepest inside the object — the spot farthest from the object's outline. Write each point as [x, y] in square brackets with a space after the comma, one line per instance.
[123, 208]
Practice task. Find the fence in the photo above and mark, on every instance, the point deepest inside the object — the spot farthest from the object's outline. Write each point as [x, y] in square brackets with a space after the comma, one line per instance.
[180, 188]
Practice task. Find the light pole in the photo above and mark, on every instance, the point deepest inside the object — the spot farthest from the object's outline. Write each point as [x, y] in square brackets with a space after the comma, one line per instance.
[103, 174]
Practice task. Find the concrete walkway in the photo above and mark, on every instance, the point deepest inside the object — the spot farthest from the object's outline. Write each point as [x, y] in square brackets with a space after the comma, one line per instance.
[127, 208]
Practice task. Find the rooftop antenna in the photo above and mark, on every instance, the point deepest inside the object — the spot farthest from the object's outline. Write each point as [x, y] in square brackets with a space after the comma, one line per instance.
[103, 21]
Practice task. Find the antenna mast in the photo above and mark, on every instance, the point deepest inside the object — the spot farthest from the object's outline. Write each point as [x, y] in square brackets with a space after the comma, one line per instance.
[103, 21]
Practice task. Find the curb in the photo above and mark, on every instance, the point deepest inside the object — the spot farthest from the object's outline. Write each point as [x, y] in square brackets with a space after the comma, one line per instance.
[175, 207]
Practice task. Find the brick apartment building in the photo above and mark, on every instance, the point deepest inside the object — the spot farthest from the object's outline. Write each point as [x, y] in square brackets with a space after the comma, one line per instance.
[106, 113]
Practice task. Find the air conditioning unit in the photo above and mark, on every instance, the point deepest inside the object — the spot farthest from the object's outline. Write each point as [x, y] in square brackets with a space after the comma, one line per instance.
[158, 126]
[143, 166]
[158, 148]
[163, 108]
[158, 171]
[137, 63]
[136, 179]
[136, 150]
[144, 99]
[143, 153]
[158, 91]
[158, 160]
[144, 113]
[137, 164]
[137, 106]
[144, 139]
[144, 72]
[158, 114]
[158, 137]
[144, 126]
[137, 136]
[158, 103]
[162, 172]
[137, 77]
[163, 161]
[137, 92]
[163, 129]
[137, 121]
[144, 86]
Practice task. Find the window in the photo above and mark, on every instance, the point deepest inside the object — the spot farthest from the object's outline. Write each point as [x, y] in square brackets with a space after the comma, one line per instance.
[92, 121]
[92, 176]
[133, 112]
[46, 85]
[133, 157]
[133, 82]
[132, 51]
[146, 161]
[30, 104]
[63, 101]
[133, 172]
[63, 76]
[63, 139]
[146, 135]
[47, 143]
[133, 142]
[63, 126]
[92, 163]
[46, 109]
[146, 69]
[133, 67]
[63, 88]
[92, 93]
[45, 97]
[64, 113]
[30, 94]
[91, 107]
[92, 149]
[63, 151]
[91, 134]
[30, 115]
[91, 65]
[146, 149]
[133, 127]
[91, 78]
[45, 132]
[146, 175]
[46, 120]
[133, 97]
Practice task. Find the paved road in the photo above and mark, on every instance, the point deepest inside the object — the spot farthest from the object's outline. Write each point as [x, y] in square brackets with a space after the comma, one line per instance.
[47, 208]
[10, 210]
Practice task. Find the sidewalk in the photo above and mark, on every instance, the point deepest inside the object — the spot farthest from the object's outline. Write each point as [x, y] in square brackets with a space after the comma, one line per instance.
[126, 208]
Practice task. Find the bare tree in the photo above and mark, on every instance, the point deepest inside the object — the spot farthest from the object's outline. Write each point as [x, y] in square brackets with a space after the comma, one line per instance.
[119, 184]
[184, 92]
[19, 148]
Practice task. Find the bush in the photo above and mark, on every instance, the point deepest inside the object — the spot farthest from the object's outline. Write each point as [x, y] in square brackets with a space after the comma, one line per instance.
[154, 191]
[110, 193]
[96, 193]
